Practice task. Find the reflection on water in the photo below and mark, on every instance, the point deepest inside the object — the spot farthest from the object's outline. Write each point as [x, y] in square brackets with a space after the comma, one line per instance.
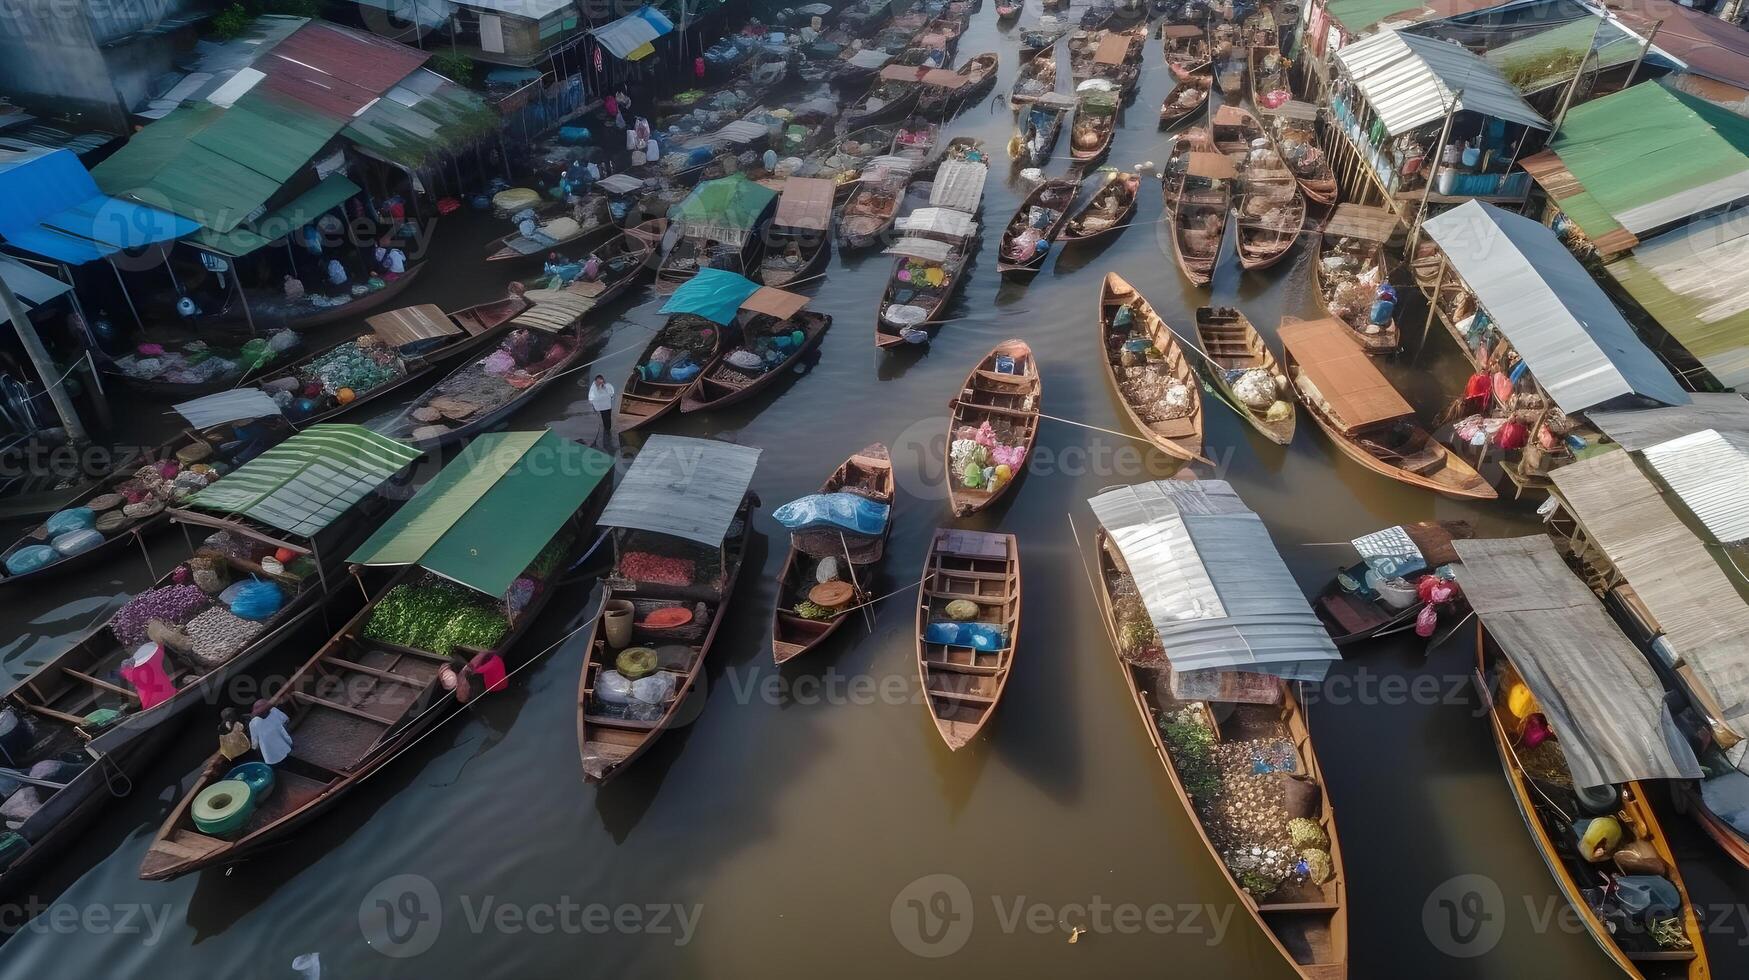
[798, 805]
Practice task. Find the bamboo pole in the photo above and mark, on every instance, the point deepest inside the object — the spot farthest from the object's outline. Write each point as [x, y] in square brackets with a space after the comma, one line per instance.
[1433, 174]
[1644, 50]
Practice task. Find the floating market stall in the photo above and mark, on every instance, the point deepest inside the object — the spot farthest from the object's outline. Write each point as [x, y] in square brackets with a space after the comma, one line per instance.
[680, 517]
[718, 226]
[801, 241]
[462, 570]
[1207, 625]
[1352, 275]
[1580, 723]
[162, 368]
[111, 699]
[837, 537]
[767, 341]
[1404, 580]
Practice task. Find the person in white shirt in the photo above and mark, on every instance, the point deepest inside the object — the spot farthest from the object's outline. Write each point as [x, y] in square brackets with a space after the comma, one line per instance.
[394, 263]
[601, 399]
[336, 273]
[268, 734]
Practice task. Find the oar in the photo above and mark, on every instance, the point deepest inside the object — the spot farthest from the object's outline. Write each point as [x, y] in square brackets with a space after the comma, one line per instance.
[30, 780]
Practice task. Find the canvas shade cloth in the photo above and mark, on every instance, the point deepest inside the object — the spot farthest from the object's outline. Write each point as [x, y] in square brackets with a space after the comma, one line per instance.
[1182, 31]
[227, 406]
[958, 184]
[306, 482]
[870, 59]
[1302, 111]
[1348, 381]
[1214, 584]
[1675, 576]
[925, 249]
[715, 294]
[687, 488]
[943, 78]
[1360, 221]
[805, 204]
[741, 132]
[945, 222]
[725, 209]
[1709, 470]
[1596, 689]
[1113, 48]
[398, 328]
[486, 516]
[773, 302]
[554, 310]
[1214, 166]
[1231, 115]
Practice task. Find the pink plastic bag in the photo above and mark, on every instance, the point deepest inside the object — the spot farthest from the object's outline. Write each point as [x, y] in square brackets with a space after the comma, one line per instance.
[1426, 621]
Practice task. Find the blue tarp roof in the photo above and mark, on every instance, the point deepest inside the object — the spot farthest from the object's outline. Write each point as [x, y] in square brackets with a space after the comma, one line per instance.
[714, 294]
[50, 205]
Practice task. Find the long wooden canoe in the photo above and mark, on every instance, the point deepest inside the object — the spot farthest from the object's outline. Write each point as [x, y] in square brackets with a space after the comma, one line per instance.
[1107, 212]
[1009, 401]
[1037, 76]
[1054, 197]
[1230, 343]
[868, 473]
[1271, 211]
[723, 384]
[964, 683]
[1177, 433]
[1353, 243]
[1184, 101]
[1199, 214]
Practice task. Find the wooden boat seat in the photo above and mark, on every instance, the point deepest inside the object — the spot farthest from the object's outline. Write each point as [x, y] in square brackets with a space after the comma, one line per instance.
[607, 721]
[312, 700]
[1004, 379]
[997, 409]
[989, 600]
[1299, 907]
[960, 668]
[965, 696]
[1660, 955]
[1352, 615]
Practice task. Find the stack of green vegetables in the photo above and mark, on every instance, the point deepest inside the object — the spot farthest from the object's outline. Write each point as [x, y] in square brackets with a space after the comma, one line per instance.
[437, 616]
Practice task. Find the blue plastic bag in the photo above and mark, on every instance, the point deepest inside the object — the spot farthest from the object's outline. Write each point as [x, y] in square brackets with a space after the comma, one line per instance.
[978, 636]
[71, 519]
[848, 512]
[29, 559]
[77, 542]
[256, 600]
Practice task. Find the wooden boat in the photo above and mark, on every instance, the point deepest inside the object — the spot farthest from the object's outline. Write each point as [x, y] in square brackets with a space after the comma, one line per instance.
[1003, 390]
[1291, 127]
[1307, 923]
[1271, 211]
[353, 707]
[1199, 214]
[1053, 198]
[1184, 101]
[941, 99]
[892, 97]
[1008, 9]
[1551, 830]
[1351, 253]
[869, 213]
[1353, 611]
[1041, 124]
[722, 384]
[1107, 212]
[867, 473]
[1095, 120]
[644, 400]
[690, 253]
[1230, 75]
[801, 232]
[1097, 15]
[964, 684]
[1175, 430]
[951, 260]
[847, 158]
[1235, 129]
[161, 388]
[464, 404]
[562, 227]
[1042, 37]
[63, 704]
[1187, 142]
[608, 744]
[360, 305]
[1230, 343]
[245, 439]
[1187, 54]
[915, 141]
[1267, 74]
[1037, 76]
[1366, 418]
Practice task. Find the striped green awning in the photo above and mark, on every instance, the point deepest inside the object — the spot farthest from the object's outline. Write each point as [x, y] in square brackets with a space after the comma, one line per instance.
[491, 511]
[303, 484]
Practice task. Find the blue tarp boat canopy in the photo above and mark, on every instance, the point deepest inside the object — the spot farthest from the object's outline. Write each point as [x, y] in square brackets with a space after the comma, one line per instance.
[629, 37]
[50, 205]
[714, 294]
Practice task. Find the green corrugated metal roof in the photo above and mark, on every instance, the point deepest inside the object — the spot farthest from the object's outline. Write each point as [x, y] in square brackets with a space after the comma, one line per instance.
[1548, 57]
[281, 221]
[1695, 282]
[1647, 156]
[443, 117]
[303, 484]
[1356, 16]
[491, 511]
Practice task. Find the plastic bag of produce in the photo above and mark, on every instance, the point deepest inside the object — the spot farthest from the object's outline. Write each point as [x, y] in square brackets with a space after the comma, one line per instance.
[978, 636]
[657, 688]
[72, 519]
[256, 600]
[849, 512]
[29, 559]
[77, 542]
[613, 688]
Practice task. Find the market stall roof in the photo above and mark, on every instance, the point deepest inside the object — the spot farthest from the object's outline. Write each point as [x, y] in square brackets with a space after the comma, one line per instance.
[1540, 60]
[1595, 687]
[411, 324]
[938, 221]
[741, 132]
[944, 78]
[805, 204]
[1643, 428]
[1348, 381]
[1113, 48]
[1576, 342]
[1214, 584]
[629, 37]
[301, 485]
[1359, 221]
[924, 249]
[1705, 44]
[1675, 575]
[688, 488]
[420, 120]
[870, 59]
[619, 183]
[726, 208]
[1410, 81]
[1709, 470]
[488, 514]
[715, 294]
[532, 9]
[330, 192]
[773, 302]
[32, 287]
[959, 184]
[1215, 166]
[234, 405]
[1694, 280]
[50, 205]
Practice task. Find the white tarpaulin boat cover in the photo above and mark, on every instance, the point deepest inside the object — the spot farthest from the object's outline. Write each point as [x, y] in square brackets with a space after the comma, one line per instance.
[1576, 342]
[1594, 686]
[958, 185]
[227, 406]
[926, 249]
[1213, 582]
[1410, 80]
[938, 221]
[689, 488]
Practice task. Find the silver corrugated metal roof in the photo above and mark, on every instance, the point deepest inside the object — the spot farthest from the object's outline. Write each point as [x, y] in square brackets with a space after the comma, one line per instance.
[689, 488]
[1575, 340]
[741, 132]
[1409, 80]
[958, 185]
[1599, 693]
[1709, 470]
[938, 221]
[1217, 590]
[1641, 428]
[228, 406]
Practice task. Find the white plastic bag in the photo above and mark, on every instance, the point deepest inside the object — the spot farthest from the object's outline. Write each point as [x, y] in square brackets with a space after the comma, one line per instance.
[613, 688]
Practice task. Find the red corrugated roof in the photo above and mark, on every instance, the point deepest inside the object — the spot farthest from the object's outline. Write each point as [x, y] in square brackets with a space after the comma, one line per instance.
[1711, 47]
[336, 71]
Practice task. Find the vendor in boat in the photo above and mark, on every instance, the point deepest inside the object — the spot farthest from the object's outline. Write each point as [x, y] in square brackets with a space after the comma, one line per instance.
[268, 733]
[391, 261]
